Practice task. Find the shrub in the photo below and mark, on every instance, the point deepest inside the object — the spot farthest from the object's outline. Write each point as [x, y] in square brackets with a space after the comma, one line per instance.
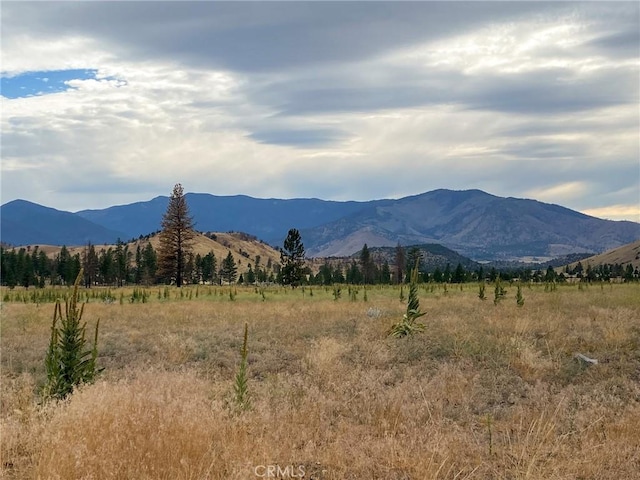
[68, 362]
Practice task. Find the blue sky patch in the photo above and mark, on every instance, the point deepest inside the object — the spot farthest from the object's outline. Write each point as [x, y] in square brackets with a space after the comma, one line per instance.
[33, 84]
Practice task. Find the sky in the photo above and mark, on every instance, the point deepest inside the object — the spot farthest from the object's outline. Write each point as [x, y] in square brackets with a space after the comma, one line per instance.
[109, 103]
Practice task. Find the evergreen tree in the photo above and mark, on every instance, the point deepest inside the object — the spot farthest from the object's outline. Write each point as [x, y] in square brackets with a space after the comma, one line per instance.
[493, 274]
[250, 278]
[261, 275]
[437, 275]
[385, 273]
[137, 278]
[9, 276]
[459, 274]
[400, 263]
[354, 276]
[64, 265]
[176, 237]
[446, 275]
[229, 270]
[189, 272]
[42, 267]
[292, 259]
[69, 362]
[338, 275]
[122, 262]
[149, 264]
[325, 274]
[28, 275]
[550, 276]
[107, 266]
[628, 273]
[89, 265]
[367, 265]
[208, 267]
[196, 276]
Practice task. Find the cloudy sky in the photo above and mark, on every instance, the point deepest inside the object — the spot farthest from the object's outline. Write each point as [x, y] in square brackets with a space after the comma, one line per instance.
[108, 103]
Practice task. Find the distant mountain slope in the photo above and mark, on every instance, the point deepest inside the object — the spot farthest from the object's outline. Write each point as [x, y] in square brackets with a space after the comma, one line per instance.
[26, 223]
[433, 256]
[268, 219]
[623, 255]
[473, 223]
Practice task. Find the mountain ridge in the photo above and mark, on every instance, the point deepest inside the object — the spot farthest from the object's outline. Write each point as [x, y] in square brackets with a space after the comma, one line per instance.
[474, 223]
[24, 222]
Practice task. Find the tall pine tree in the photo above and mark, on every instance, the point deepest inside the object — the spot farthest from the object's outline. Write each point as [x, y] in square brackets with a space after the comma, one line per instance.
[367, 264]
[292, 259]
[176, 237]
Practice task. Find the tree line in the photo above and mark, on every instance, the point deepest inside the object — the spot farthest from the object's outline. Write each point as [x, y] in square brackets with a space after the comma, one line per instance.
[120, 265]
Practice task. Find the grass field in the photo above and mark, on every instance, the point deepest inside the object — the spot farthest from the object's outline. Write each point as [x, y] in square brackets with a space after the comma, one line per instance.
[485, 392]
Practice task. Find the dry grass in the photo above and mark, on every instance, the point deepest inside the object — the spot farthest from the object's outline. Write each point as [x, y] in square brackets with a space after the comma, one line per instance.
[487, 392]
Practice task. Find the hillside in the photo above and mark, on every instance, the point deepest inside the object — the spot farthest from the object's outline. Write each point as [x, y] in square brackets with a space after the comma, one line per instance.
[243, 247]
[627, 254]
[433, 256]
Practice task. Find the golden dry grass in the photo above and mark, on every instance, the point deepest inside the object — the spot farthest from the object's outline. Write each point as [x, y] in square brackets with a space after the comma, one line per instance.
[486, 392]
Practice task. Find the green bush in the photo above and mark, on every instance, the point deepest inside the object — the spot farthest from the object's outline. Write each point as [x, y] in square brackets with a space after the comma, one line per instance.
[69, 362]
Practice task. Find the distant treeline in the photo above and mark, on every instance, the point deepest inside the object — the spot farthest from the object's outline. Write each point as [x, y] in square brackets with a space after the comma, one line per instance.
[119, 266]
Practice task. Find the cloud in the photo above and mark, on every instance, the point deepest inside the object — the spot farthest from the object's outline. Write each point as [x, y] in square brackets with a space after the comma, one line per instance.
[303, 138]
[563, 191]
[336, 100]
[616, 212]
[256, 36]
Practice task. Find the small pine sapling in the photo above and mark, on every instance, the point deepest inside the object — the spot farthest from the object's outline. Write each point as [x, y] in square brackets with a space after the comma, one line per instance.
[337, 292]
[519, 297]
[481, 294]
[68, 362]
[499, 292]
[240, 388]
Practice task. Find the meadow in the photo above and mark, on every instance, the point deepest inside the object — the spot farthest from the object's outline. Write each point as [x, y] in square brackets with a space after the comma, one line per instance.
[485, 392]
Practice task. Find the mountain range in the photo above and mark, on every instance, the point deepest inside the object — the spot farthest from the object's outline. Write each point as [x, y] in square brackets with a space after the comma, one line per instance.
[472, 222]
